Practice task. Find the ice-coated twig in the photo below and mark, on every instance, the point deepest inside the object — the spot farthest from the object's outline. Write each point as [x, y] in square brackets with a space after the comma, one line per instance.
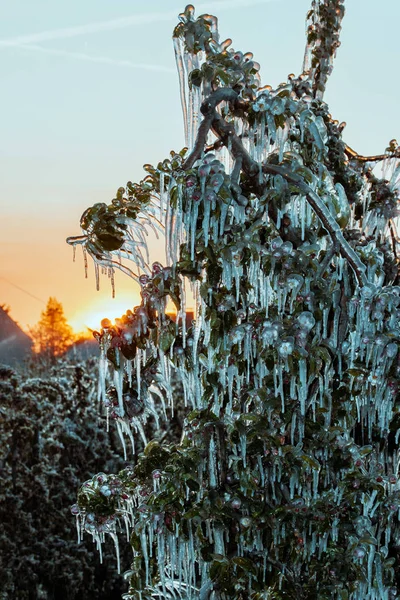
[215, 146]
[237, 167]
[353, 155]
[115, 264]
[327, 259]
[323, 32]
[72, 240]
[208, 109]
[393, 236]
[203, 130]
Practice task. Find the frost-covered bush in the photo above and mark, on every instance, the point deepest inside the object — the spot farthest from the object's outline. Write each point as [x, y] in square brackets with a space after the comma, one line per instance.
[285, 483]
[51, 437]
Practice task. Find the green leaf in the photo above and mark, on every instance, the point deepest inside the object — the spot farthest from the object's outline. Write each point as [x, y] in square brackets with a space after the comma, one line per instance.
[244, 563]
[369, 540]
[165, 340]
[365, 450]
[129, 351]
[110, 242]
[246, 417]
[311, 462]
[113, 358]
[195, 77]
[389, 563]
[355, 372]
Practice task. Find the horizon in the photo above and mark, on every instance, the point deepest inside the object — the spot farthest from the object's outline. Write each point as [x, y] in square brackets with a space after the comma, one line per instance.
[87, 330]
[90, 99]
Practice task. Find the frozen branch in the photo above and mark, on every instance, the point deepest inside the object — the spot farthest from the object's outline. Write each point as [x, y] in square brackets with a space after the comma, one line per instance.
[324, 216]
[208, 109]
[226, 133]
[352, 154]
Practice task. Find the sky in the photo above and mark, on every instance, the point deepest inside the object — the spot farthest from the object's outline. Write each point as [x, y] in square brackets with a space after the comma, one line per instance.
[90, 94]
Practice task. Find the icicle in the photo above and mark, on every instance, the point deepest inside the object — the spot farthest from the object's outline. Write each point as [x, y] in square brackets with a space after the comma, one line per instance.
[162, 195]
[138, 371]
[121, 437]
[78, 527]
[179, 47]
[371, 557]
[118, 382]
[128, 369]
[206, 220]
[85, 261]
[111, 275]
[243, 447]
[102, 374]
[97, 275]
[143, 543]
[212, 463]
[168, 225]
[303, 391]
[219, 546]
[116, 544]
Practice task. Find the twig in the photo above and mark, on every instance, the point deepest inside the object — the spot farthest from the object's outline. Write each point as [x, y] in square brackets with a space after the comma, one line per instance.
[352, 154]
[215, 146]
[393, 235]
[327, 259]
[76, 239]
[237, 167]
[226, 131]
[343, 319]
[285, 571]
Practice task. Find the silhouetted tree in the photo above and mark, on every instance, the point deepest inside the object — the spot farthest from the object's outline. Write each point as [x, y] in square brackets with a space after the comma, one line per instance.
[52, 335]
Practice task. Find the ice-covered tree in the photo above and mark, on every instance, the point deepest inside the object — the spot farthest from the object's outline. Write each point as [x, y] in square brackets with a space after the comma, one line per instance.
[285, 482]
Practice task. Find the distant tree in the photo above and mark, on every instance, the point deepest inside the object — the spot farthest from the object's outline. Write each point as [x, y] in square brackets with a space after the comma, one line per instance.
[52, 335]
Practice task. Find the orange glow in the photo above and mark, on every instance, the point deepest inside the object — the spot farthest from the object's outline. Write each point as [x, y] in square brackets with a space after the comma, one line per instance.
[91, 315]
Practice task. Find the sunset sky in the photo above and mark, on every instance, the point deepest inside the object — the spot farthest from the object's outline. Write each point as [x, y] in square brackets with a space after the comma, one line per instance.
[90, 93]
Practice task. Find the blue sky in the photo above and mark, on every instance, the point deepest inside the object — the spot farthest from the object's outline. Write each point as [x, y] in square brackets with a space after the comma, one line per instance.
[90, 94]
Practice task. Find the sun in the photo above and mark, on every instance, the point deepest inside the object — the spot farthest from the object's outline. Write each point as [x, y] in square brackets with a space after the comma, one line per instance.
[90, 316]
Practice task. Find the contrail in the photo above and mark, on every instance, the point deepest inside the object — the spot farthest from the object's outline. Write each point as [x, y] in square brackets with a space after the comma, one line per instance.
[146, 18]
[22, 290]
[97, 59]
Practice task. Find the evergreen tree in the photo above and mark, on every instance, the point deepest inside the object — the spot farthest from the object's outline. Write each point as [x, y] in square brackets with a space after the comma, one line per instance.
[285, 482]
[52, 335]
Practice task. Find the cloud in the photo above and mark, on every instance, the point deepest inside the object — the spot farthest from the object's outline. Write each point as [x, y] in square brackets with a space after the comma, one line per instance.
[121, 23]
[96, 59]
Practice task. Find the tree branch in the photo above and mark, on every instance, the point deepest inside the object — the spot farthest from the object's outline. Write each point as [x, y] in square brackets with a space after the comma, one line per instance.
[325, 217]
[237, 167]
[200, 142]
[352, 154]
[225, 132]
[208, 109]
[327, 259]
[252, 169]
